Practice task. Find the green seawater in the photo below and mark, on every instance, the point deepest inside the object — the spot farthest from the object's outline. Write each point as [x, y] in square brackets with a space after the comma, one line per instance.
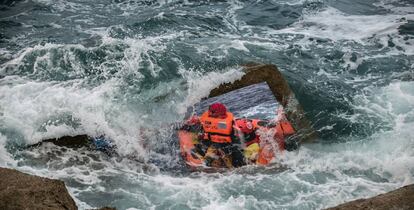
[130, 68]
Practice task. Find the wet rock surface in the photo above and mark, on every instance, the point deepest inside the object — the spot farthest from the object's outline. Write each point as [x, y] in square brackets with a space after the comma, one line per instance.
[105, 208]
[68, 141]
[19, 190]
[23, 191]
[402, 199]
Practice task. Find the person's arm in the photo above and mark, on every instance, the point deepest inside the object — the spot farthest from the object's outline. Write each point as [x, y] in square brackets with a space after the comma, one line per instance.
[193, 124]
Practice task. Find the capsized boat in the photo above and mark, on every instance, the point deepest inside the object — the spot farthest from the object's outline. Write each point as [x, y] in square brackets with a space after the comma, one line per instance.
[255, 104]
[271, 136]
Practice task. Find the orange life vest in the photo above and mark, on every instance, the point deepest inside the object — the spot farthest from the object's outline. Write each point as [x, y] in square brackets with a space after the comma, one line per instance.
[218, 130]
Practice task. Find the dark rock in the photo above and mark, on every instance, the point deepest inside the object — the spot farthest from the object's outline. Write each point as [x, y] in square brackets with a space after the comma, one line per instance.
[407, 28]
[105, 208]
[402, 199]
[100, 143]
[23, 191]
[257, 73]
[68, 141]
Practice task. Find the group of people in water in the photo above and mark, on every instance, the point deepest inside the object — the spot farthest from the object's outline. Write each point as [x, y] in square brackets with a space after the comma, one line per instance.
[224, 139]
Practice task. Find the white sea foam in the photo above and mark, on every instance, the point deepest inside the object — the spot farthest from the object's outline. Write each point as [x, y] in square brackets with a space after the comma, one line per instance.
[332, 24]
[199, 86]
[61, 6]
[18, 58]
[347, 171]
[385, 160]
[320, 175]
[6, 160]
[5, 54]
[30, 104]
[55, 25]
[27, 105]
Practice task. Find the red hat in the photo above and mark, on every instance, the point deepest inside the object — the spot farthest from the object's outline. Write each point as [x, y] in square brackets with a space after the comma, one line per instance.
[217, 109]
[244, 125]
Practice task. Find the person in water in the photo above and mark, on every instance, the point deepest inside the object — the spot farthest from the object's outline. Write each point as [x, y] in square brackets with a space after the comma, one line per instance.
[217, 134]
[235, 142]
[245, 131]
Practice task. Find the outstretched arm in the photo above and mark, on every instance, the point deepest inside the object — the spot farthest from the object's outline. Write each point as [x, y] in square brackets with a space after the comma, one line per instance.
[193, 124]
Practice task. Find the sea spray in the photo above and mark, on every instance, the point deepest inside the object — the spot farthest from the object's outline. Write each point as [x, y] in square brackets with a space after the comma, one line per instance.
[128, 69]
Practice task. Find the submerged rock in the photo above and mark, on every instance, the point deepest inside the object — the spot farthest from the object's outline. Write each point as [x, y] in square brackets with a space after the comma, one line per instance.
[105, 208]
[402, 199]
[23, 191]
[68, 141]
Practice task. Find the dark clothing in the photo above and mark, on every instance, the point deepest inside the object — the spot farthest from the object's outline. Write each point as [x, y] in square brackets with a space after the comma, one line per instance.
[233, 149]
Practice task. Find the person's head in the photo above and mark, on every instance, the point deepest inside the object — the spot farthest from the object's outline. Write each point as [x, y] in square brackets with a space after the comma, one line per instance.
[244, 125]
[217, 110]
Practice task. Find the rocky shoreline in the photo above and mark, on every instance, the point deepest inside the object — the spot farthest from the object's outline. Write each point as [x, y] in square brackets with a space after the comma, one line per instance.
[19, 190]
[401, 199]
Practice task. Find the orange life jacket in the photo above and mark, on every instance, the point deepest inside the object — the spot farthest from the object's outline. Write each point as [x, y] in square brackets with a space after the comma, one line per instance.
[218, 130]
[287, 128]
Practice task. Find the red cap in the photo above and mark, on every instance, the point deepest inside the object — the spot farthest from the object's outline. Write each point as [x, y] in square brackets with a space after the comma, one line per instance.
[217, 110]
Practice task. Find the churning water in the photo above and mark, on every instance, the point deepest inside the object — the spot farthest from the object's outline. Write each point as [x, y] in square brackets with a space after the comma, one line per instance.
[130, 68]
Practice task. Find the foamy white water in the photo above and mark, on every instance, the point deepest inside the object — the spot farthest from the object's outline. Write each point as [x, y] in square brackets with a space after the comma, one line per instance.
[129, 69]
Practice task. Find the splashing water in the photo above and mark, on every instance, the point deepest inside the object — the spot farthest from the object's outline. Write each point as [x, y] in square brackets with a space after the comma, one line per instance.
[129, 69]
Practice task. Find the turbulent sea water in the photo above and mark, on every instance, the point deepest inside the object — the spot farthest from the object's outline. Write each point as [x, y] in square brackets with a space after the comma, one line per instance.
[129, 68]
